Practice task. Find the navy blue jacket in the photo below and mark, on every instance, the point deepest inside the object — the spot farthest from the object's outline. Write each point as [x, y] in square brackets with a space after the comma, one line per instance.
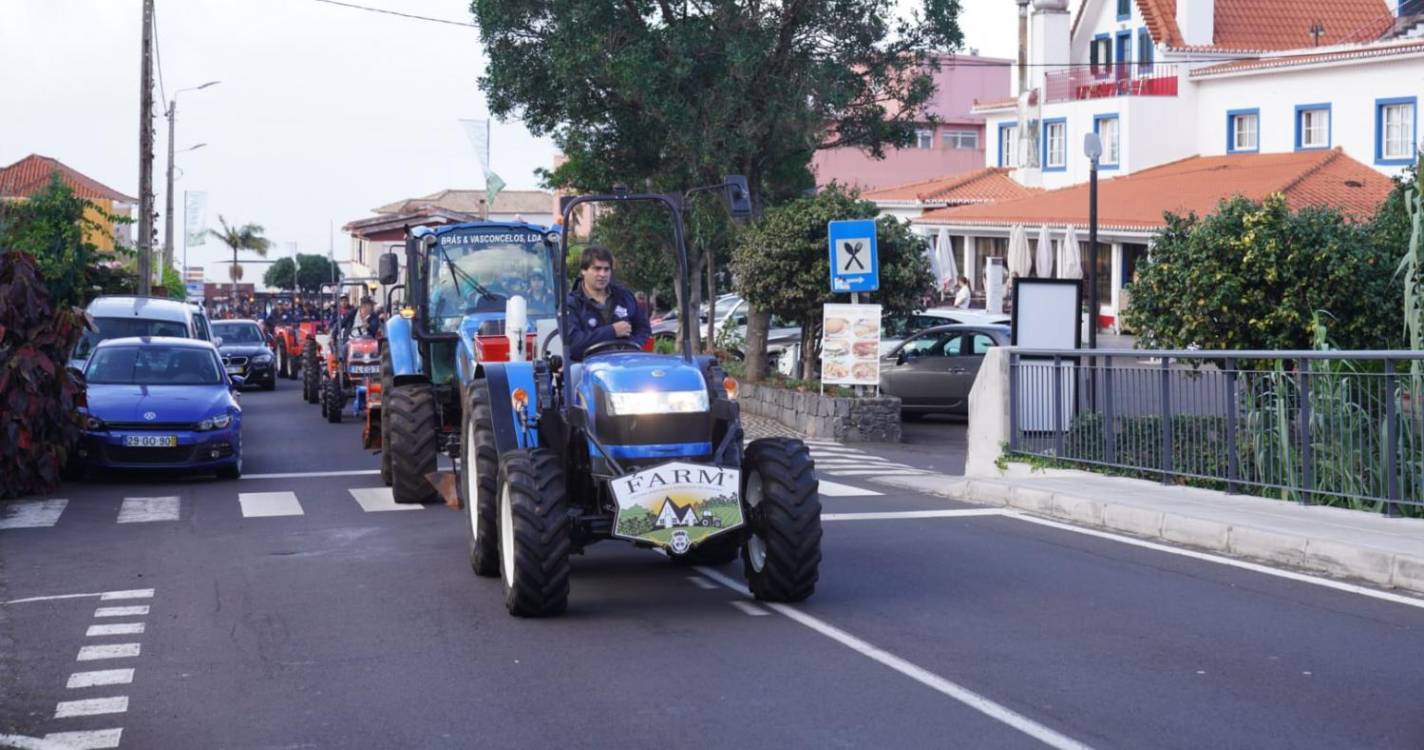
[584, 320]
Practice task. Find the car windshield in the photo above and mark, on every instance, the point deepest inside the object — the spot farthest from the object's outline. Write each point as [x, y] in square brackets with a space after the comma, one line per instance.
[153, 365]
[479, 271]
[238, 333]
[120, 328]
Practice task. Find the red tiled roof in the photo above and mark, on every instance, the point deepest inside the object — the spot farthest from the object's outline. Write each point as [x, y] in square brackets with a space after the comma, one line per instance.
[1286, 61]
[1138, 201]
[985, 185]
[1270, 24]
[30, 175]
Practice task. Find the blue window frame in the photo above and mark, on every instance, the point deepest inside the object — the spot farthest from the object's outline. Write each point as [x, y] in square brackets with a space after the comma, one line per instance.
[1396, 130]
[1055, 144]
[1314, 126]
[1109, 130]
[1006, 144]
[1145, 52]
[1243, 131]
[1100, 55]
[1122, 50]
[1124, 10]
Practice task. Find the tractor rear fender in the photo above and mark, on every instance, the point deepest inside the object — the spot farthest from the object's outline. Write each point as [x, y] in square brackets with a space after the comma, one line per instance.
[512, 429]
[405, 355]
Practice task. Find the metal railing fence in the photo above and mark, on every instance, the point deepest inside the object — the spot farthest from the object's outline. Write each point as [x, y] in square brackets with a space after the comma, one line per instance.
[1342, 428]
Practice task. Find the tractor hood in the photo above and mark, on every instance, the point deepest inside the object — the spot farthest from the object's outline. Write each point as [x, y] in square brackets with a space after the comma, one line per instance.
[638, 372]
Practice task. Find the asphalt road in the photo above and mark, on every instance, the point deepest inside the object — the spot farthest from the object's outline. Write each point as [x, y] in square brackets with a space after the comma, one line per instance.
[344, 627]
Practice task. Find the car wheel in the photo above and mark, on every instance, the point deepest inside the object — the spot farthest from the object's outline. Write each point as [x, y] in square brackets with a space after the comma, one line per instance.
[233, 470]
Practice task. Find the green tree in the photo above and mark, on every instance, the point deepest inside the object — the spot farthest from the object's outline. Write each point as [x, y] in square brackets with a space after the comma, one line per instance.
[783, 265]
[1253, 275]
[311, 272]
[51, 226]
[173, 284]
[243, 237]
[666, 95]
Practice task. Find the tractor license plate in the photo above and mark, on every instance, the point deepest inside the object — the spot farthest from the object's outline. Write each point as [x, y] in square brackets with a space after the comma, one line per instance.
[150, 441]
[365, 369]
[677, 505]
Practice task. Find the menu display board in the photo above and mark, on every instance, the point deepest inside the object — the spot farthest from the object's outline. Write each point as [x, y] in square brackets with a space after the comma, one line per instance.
[850, 345]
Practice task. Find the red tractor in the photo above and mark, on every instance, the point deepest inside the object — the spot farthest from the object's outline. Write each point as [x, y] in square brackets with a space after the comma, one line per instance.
[290, 342]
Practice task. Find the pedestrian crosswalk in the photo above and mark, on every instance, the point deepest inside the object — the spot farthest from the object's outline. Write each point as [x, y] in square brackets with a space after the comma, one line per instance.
[839, 460]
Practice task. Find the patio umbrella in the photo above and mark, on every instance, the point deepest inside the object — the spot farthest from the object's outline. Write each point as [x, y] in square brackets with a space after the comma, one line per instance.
[1043, 262]
[930, 251]
[945, 250]
[1071, 266]
[1020, 261]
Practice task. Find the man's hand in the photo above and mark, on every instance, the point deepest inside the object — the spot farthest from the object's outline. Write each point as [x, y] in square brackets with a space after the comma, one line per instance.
[622, 328]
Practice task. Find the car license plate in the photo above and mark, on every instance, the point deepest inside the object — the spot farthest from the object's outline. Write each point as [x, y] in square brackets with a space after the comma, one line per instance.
[365, 369]
[151, 441]
[233, 369]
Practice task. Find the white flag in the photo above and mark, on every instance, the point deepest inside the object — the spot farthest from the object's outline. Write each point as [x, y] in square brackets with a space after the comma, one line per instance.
[478, 131]
[196, 208]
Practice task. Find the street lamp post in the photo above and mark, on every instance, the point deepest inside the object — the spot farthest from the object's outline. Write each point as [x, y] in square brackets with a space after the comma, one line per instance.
[168, 207]
[1093, 149]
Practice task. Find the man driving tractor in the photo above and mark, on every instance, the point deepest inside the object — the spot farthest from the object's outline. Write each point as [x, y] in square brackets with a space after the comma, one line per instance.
[599, 310]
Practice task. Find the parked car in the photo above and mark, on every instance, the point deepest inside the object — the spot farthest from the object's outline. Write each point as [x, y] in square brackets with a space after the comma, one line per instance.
[160, 403]
[933, 370]
[124, 316]
[246, 351]
[897, 329]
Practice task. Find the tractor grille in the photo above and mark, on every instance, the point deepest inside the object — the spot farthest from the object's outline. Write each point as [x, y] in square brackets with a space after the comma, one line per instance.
[126, 455]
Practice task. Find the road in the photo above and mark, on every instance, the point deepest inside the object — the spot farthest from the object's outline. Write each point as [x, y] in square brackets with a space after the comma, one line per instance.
[327, 623]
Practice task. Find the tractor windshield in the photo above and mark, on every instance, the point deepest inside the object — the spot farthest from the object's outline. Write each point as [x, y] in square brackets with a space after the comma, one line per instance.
[479, 272]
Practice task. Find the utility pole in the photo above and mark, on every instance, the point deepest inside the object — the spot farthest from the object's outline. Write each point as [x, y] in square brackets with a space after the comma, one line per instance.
[168, 206]
[145, 155]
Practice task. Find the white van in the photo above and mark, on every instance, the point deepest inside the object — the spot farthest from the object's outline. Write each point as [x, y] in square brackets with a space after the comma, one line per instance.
[122, 317]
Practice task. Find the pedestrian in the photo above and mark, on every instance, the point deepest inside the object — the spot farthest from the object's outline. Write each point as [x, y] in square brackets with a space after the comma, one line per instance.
[962, 293]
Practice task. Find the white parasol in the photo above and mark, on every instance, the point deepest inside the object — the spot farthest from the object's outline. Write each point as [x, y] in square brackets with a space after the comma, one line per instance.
[1043, 260]
[1071, 266]
[1020, 261]
[945, 250]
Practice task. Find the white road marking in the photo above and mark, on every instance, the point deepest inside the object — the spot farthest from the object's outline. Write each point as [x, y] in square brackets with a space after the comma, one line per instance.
[51, 598]
[264, 504]
[909, 514]
[830, 443]
[108, 651]
[34, 514]
[134, 611]
[92, 707]
[898, 471]
[103, 596]
[100, 677]
[836, 489]
[109, 596]
[919, 674]
[702, 583]
[99, 739]
[119, 628]
[749, 608]
[21, 742]
[305, 474]
[148, 509]
[822, 462]
[372, 499]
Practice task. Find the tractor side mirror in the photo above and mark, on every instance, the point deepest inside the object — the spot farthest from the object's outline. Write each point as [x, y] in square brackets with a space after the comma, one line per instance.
[739, 199]
[389, 270]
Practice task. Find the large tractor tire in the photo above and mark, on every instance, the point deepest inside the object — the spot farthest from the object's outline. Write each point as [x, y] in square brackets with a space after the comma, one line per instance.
[285, 368]
[311, 372]
[331, 400]
[414, 432]
[782, 556]
[388, 379]
[479, 469]
[534, 539]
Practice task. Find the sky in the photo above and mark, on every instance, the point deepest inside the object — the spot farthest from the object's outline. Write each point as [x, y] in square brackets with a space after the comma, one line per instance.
[323, 112]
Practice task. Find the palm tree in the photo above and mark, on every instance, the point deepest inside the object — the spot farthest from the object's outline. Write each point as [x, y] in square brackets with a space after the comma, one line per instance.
[245, 237]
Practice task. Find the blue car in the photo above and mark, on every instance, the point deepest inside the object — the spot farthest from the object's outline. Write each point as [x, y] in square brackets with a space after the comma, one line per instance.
[161, 403]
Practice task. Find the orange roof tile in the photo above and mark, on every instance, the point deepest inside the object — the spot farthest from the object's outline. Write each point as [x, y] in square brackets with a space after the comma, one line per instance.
[30, 175]
[1286, 61]
[1138, 201]
[985, 185]
[1270, 24]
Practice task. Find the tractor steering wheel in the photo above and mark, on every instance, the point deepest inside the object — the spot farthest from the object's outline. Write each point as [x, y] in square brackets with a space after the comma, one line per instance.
[611, 345]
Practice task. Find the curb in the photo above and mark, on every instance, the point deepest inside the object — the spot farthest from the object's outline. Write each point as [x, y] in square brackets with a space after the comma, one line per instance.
[1329, 557]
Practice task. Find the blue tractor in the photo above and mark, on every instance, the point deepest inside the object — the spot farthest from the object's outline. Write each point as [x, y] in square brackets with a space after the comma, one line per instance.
[647, 448]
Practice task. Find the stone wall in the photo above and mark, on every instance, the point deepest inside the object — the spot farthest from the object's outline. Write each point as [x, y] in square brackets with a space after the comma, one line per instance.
[847, 420]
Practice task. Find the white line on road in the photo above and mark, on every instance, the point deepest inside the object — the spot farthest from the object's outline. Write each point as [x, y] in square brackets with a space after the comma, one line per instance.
[108, 651]
[919, 674]
[909, 514]
[92, 707]
[836, 489]
[264, 504]
[109, 596]
[372, 499]
[702, 583]
[749, 608]
[306, 474]
[32, 515]
[902, 471]
[134, 611]
[148, 509]
[822, 463]
[99, 739]
[120, 628]
[103, 596]
[100, 677]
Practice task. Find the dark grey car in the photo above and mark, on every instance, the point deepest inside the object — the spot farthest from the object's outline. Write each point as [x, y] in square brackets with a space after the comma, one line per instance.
[933, 370]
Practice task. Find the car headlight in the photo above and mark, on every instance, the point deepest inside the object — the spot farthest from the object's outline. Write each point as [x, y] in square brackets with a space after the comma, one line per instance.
[657, 402]
[215, 423]
[262, 359]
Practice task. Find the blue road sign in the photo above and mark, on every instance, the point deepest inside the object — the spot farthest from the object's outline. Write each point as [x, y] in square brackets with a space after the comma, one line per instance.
[855, 265]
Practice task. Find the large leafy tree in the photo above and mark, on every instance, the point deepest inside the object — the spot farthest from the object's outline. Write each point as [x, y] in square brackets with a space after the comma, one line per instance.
[664, 95]
[311, 271]
[53, 227]
[783, 263]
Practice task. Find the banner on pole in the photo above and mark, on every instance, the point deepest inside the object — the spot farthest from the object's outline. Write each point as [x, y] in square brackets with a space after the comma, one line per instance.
[195, 217]
[478, 131]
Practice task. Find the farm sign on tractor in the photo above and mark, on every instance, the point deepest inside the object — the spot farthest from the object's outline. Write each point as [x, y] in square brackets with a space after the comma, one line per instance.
[677, 504]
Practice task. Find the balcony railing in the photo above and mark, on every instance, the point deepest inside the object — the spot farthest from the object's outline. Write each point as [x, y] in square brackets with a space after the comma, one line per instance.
[1123, 79]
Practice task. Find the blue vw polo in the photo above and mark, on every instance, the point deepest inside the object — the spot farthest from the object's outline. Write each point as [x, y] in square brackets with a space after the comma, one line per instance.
[161, 403]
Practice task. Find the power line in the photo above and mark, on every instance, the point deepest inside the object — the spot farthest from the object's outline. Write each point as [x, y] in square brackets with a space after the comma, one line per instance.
[412, 16]
[158, 55]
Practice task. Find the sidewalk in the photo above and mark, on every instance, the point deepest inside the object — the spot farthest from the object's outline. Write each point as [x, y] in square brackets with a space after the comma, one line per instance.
[1385, 552]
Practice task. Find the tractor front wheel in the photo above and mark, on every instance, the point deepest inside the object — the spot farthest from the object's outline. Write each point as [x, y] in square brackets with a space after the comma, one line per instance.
[331, 400]
[414, 431]
[387, 385]
[534, 538]
[311, 373]
[479, 465]
[782, 556]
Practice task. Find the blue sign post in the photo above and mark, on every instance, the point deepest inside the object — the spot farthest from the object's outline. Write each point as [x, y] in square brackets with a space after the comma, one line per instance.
[855, 264]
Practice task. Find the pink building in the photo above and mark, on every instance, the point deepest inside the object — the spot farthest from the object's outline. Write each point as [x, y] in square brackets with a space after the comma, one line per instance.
[953, 145]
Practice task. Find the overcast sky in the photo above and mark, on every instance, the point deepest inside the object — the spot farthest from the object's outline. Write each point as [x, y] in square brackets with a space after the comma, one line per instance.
[323, 112]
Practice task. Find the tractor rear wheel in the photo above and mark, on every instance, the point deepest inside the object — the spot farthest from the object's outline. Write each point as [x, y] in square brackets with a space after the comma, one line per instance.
[782, 556]
[311, 373]
[414, 430]
[281, 361]
[387, 385]
[331, 400]
[534, 538]
[479, 467]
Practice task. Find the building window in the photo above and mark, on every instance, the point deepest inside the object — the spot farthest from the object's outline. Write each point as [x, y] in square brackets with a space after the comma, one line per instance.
[1144, 51]
[924, 138]
[1312, 126]
[1055, 145]
[1106, 126]
[1395, 123]
[1124, 10]
[1100, 54]
[961, 139]
[1008, 142]
[1243, 130]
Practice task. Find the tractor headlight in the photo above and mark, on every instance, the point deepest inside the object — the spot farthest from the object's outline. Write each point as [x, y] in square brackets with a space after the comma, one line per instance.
[215, 423]
[657, 402]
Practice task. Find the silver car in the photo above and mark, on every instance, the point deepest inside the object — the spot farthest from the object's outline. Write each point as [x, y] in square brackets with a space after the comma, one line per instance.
[933, 370]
